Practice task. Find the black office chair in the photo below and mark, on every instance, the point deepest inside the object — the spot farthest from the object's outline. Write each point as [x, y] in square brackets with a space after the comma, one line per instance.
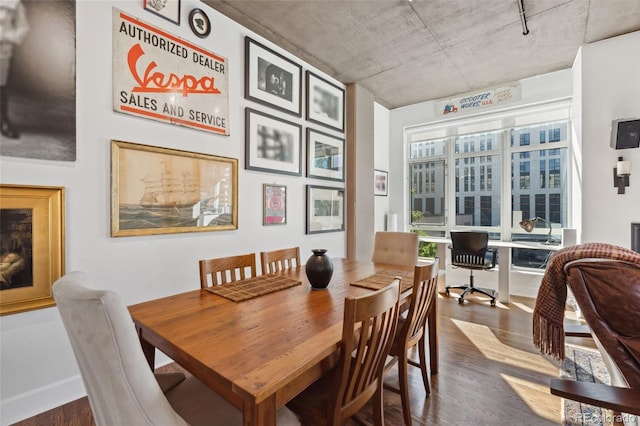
[469, 249]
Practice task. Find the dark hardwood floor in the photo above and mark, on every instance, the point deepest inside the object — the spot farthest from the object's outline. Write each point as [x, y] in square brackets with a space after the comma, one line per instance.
[490, 373]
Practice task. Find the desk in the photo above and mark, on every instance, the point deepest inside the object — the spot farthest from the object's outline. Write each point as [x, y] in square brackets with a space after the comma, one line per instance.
[504, 257]
[258, 354]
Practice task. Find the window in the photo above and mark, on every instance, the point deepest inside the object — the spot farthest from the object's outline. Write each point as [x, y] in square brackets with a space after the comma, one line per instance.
[470, 178]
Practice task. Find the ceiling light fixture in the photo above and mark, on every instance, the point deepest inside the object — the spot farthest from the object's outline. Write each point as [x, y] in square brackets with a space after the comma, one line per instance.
[523, 18]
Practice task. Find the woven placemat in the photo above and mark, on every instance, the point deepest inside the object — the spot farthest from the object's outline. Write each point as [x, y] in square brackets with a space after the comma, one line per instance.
[382, 279]
[252, 287]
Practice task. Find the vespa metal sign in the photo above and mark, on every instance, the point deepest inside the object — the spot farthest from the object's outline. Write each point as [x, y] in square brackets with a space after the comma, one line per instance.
[160, 76]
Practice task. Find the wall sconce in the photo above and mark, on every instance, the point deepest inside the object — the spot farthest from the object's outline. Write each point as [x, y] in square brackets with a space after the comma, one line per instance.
[621, 174]
[528, 226]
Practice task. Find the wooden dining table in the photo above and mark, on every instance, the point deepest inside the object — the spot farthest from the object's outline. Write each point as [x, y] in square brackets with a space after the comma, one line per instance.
[260, 353]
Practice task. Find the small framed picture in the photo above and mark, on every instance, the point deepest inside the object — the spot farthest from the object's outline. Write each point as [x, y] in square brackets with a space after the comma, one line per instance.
[325, 156]
[199, 23]
[381, 184]
[272, 144]
[274, 200]
[272, 79]
[325, 102]
[167, 9]
[325, 209]
[31, 246]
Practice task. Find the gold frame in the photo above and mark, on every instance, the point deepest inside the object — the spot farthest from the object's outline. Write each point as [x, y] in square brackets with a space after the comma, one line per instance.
[141, 178]
[47, 244]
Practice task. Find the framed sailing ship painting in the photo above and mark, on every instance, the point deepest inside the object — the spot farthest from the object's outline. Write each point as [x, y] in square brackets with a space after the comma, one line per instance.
[164, 191]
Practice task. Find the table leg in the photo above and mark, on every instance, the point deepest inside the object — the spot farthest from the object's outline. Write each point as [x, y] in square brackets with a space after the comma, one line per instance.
[433, 337]
[504, 257]
[148, 350]
[262, 414]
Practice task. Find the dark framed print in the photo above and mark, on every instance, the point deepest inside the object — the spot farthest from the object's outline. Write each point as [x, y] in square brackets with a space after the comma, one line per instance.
[325, 209]
[166, 191]
[325, 155]
[272, 144]
[380, 181]
[325, 102]
[31, 244]
[274, 204]
[167, 9]
[199, 23]
[272, 79]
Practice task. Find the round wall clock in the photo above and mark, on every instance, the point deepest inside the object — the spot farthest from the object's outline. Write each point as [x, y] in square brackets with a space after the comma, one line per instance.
[199, 23]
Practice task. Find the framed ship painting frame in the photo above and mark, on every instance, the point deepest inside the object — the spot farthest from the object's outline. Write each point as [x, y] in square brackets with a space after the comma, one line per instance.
[32, 227]
[166, 191]
[274, 204]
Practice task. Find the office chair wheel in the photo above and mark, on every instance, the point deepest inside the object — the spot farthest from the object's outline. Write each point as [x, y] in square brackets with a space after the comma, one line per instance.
[493, 302]
[446, 291]
[460, 300]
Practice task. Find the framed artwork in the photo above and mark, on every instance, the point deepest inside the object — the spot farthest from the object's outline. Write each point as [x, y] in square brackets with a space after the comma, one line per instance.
[199, 23]
[165, 191]
[325, 209]
[380, 180]
[325, 155]
[32, 246]
[272, 79]
[274, 204]
[325, 102]
[272, 144]
[167, 9]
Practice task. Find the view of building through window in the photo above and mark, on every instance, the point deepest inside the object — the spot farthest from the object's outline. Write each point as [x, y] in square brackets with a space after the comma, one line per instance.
[460, 181]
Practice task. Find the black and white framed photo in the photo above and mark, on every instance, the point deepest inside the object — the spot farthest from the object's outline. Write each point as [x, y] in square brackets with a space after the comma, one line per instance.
[272, 79]
[325, 102]
[380, 181]
[325, 155]
[167, 9]
[199, 23]
[272, 144]
[325, 209]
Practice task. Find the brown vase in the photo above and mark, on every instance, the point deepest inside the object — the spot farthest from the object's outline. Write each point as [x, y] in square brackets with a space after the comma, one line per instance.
[319, 269]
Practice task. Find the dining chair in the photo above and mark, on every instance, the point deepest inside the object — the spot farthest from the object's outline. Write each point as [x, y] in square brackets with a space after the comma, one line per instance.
[278, 260]
[223, 270]
[470, 250]
[369, 325]
[121, 387]
[412, 331]
[396, 248]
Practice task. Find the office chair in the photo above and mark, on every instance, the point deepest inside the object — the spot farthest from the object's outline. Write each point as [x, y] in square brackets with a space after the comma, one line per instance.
[369, 326]
[608, 294]
[469, 250]
[395, 248]
[121, 388]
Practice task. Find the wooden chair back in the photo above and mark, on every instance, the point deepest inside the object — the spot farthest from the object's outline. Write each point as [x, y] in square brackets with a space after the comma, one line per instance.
[425, 284]
[363, 351]
[225, 270]
[278, 260]
[396, 248]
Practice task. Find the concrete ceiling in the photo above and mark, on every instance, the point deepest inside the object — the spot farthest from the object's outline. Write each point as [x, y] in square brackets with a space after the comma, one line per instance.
[406, 52]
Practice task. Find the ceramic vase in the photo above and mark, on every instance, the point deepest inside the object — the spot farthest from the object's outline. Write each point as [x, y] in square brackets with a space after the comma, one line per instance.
[319, 269]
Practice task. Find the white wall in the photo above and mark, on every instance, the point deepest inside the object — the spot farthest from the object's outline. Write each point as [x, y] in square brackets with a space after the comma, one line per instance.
[381, 162]
[610, 90]
[38, 370]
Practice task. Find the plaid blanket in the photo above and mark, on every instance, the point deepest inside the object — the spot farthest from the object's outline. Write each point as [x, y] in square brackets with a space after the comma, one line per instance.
[548, 314]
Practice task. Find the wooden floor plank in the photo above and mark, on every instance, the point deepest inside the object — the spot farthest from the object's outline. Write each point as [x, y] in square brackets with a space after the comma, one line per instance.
[490, 374]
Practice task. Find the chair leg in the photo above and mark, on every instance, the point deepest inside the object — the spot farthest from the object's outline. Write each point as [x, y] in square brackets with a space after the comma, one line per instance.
[404, 388]
[422, 350]
[378, 409]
